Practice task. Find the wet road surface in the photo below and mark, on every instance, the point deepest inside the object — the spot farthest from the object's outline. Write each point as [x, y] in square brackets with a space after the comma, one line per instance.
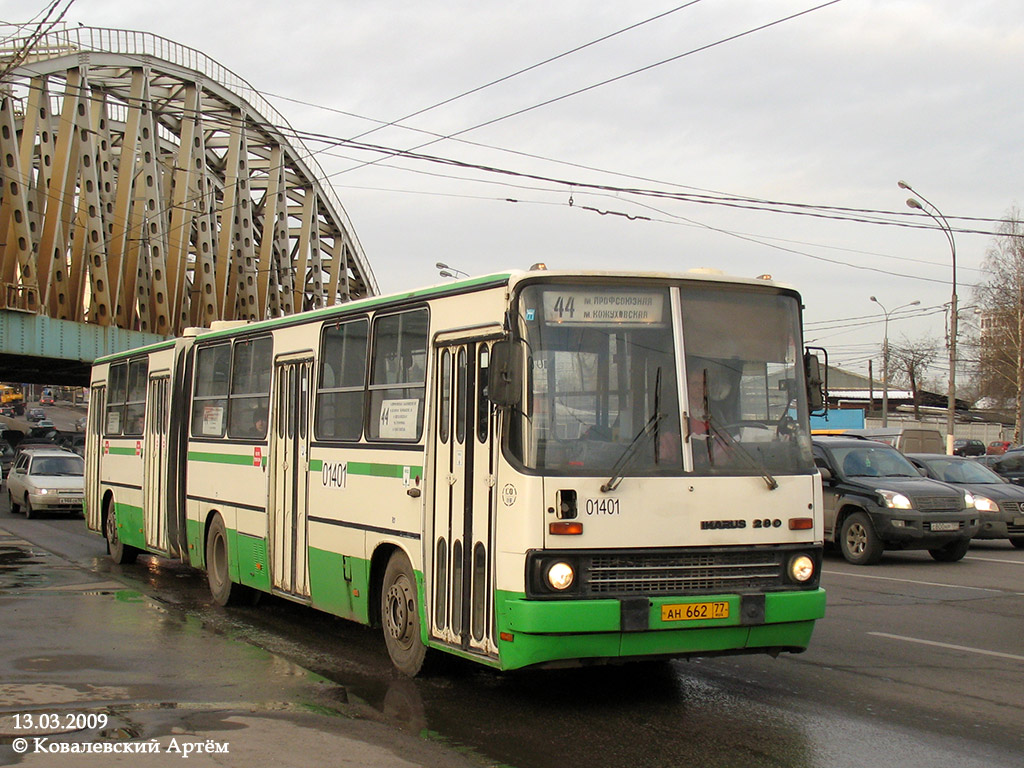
[916, 664]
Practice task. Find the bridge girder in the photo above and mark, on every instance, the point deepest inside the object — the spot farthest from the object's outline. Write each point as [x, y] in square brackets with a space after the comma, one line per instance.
[146, 187]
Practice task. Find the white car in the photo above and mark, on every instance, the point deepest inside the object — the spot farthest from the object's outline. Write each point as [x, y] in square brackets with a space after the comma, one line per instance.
[46, 480]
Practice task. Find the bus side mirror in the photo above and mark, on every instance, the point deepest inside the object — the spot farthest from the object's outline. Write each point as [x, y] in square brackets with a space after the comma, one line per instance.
[506, 374]
[816, 384]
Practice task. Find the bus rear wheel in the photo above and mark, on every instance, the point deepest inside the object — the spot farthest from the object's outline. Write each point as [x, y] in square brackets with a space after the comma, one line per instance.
[218, 569]
[120, 553]
[400, 616]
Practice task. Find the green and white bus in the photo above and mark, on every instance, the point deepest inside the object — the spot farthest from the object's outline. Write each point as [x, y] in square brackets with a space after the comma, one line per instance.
[533, 468]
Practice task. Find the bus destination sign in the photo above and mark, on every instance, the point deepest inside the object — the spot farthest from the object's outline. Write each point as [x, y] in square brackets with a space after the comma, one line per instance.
[597, 307]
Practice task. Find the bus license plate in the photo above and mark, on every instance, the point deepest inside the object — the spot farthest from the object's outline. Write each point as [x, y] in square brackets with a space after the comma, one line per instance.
[945, 526]
[694, 611]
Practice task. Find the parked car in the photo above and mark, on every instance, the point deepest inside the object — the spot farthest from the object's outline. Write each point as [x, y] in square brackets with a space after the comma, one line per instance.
[968, 447]
[987, 460]
[999, 503]
[998, 447]
[35, 414]
[905, 439]
[875, 499]
[6, 458]
[43, 430]
[45, 480]
[72, 441]
[1010, 466]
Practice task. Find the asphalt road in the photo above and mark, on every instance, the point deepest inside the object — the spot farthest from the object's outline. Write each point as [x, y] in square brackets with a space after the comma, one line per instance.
[917, 663]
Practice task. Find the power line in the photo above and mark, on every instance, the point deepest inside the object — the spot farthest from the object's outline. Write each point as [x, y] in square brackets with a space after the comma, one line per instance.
[618, 78]
[529, 68]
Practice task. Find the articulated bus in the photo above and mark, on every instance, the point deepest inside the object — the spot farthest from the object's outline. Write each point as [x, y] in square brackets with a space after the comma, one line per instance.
[524, 469]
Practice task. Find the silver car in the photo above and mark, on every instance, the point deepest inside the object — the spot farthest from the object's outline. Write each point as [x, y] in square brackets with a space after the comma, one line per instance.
[46, 480]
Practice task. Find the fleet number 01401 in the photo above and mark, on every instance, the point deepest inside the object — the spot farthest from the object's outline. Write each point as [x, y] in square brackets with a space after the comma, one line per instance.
[602, 506]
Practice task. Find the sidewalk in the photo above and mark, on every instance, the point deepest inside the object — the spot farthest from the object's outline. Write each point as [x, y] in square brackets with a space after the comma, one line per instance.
[150, 686]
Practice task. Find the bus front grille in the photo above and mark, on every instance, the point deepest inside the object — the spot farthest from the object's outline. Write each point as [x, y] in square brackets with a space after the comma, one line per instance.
[683, 573]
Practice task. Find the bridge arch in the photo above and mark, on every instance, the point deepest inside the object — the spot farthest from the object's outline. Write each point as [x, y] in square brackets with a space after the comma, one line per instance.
[147, 187]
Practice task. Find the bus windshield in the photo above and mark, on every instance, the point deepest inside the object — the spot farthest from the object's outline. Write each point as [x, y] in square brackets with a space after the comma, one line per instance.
[654, 381]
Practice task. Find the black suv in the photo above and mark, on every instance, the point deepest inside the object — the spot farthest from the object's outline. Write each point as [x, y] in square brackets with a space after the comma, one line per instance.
[876, 500]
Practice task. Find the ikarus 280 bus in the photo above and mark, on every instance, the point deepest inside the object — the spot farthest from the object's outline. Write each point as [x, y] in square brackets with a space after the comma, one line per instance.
[534, 468]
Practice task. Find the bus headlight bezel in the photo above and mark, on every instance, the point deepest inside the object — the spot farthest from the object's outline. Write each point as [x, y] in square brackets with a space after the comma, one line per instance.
[801, 568]
[559, 575]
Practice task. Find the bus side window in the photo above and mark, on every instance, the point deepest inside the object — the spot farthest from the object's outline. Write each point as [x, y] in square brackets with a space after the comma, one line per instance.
[398, 381]
[341, 386]
[117, 390]
[249, 400]
[210, 401]
[135, 407]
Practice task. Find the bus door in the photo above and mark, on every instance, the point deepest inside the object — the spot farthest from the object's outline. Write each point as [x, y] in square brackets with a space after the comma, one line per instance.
[154, 457]
[462, 531]
[93, 453]
[289, 461]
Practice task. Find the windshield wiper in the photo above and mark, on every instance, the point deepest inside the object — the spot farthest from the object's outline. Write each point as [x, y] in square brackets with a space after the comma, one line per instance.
[650, 428]
[631, 450]
[718, 433]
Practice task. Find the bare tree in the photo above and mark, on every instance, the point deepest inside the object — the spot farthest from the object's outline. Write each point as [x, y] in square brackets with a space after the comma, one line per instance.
[1001, 298]
[912, 358]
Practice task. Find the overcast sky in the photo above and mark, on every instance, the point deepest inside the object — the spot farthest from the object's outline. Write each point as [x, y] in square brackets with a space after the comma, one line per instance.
[830, 108]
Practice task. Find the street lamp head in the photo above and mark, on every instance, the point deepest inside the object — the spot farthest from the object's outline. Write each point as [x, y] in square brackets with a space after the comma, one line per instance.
[912, 203]
[902, 184]
[874, 299]
[913, 303]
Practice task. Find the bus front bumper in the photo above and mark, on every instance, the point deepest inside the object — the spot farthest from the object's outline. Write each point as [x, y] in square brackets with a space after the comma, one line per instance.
[545, 631]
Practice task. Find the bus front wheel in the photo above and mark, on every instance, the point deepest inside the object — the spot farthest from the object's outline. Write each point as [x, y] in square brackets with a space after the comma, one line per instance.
[400, 616]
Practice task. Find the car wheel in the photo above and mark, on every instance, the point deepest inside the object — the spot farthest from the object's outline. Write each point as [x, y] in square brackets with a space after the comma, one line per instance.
[952, 552]
[15, 508]
[1017, 541]
[400, 617]
[858, 541]
[120, 553]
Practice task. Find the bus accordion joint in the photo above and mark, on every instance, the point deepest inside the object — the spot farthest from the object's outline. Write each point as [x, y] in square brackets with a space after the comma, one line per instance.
[565, 529]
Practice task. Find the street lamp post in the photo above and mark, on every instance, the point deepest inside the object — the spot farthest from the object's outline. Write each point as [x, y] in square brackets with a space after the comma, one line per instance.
[447, 271]
[885, 356]
[947, 230]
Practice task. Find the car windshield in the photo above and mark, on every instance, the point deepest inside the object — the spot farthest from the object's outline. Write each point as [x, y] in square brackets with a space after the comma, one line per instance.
[952, 471]
[873, 461]
[58, 465]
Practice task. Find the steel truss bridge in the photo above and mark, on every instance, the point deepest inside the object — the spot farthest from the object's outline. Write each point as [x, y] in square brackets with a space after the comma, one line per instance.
[146, 188]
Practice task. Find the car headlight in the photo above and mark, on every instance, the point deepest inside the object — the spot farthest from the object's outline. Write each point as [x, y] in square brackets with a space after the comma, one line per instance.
[985, 504]
[895, 500]
[42, 491]
[560, 575]
[801, 568]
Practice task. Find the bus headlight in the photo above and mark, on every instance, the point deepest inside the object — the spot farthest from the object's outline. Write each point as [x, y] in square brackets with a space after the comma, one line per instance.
[801, 569]
[560, 576]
